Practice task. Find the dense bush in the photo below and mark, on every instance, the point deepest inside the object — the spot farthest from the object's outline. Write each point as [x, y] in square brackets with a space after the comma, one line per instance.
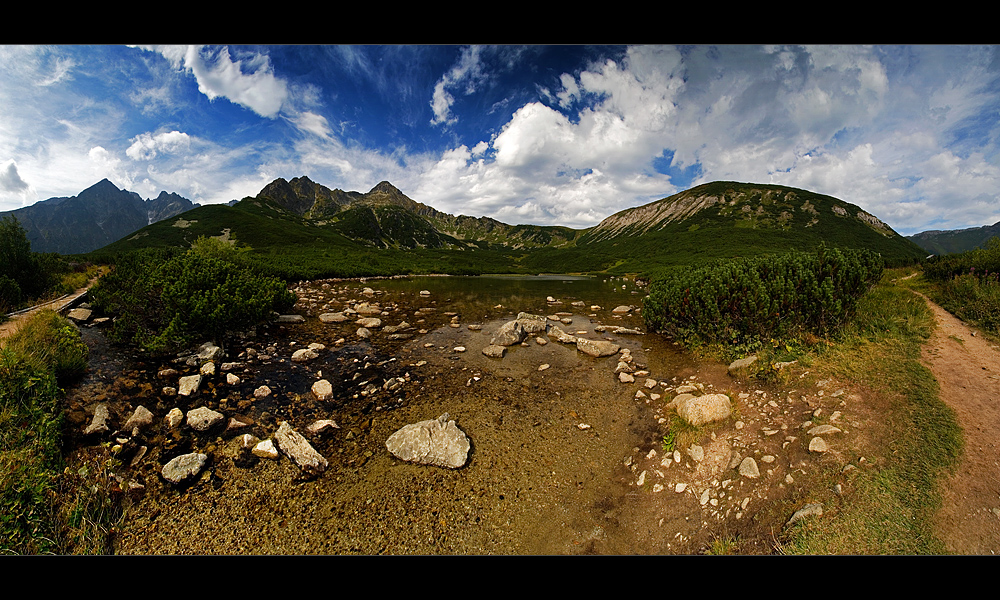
[968, 285]
[979, 263]
[753, 299]
[165, 301]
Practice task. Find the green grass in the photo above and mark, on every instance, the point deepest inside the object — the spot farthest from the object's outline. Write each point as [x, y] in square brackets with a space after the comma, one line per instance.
[894, 500]
[45, 351]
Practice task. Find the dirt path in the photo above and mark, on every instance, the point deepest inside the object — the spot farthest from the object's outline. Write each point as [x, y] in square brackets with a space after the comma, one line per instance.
[967, 367]
[10, 326]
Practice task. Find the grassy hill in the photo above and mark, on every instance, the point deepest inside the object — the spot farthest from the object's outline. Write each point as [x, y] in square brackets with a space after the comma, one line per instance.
[384, 233]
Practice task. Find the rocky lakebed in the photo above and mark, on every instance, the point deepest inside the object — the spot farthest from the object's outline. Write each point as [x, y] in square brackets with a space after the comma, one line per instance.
[417, 416]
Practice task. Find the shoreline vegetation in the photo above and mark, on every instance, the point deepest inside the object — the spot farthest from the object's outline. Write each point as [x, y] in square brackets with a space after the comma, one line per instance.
[868, 329]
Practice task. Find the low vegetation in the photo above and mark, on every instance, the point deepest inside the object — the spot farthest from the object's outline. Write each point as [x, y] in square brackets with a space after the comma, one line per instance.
[748, 301]
[872, 342]
[28, 277]
[165, 300]
[968, 285]
[43, 354]
[892, 505]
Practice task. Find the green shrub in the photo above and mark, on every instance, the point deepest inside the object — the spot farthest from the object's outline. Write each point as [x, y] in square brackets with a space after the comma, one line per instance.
[165, 301]
[750, 300]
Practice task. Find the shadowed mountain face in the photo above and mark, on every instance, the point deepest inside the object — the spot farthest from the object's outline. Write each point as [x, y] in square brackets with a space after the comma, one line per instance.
[956, 240]
[96, 217]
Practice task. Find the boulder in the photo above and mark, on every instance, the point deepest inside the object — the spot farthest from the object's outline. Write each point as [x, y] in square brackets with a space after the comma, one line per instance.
[140, 419]
[322, 389]
[209, 351]
[512, 332]
[99, 424]
[370, 322]
[494, 351]
[698, 410]
[597, 347]
[304, 355]
[322, 426]
[184, 467]
[291, 319]
[189, 385]
[337, 317]
[79, 314]
[265, 449]
[438, 442]
[203, 418]
[299, 450]
[561, 335]
[531, 323]
[742, 363]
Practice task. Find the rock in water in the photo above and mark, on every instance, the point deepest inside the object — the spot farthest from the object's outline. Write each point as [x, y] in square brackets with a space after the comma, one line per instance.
[183, 467]
[299, 450]
[437, 442]
[597, 347]
[509, 334]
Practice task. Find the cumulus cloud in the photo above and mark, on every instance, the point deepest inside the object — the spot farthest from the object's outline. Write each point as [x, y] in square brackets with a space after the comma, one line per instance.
[249, 81]
[146, 146]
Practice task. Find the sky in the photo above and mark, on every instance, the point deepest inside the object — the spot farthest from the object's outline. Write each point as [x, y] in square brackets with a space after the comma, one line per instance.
[526, 134]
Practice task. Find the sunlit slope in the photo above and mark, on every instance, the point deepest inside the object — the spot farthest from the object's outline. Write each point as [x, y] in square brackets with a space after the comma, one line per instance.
[729, 219]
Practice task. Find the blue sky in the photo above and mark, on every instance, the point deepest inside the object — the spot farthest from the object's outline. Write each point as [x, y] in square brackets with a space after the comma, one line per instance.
[552, 135]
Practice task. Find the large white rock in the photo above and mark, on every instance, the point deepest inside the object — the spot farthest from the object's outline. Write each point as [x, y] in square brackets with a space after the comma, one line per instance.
[698, 410]
[293, 445]
[184, 467]
[203, 418]
[189, 385]
[597, 347]
[437, 442]
[322, 389]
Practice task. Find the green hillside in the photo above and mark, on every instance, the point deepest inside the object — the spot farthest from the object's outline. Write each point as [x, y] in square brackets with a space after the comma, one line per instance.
[384, 233]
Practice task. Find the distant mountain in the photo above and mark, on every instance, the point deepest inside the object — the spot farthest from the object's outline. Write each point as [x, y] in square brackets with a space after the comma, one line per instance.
[956, 240]
[726, 219]
[385, 217]
[711, 221]
[96, 217]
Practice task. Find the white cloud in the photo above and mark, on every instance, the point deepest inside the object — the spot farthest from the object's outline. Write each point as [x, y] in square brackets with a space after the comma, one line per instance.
[218, 75]
[467, 72]
[145, 146]
[10, 179]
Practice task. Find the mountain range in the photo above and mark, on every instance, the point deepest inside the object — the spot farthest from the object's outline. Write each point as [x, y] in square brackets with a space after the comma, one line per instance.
[96, 217]
[956, 240]
[713, 220]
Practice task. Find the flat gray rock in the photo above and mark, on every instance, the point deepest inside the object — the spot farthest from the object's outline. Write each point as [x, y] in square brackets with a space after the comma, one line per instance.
[597, 347]
[438, 442]
[293, 445]
[184, 467]
[494, 351]
[203, 418]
